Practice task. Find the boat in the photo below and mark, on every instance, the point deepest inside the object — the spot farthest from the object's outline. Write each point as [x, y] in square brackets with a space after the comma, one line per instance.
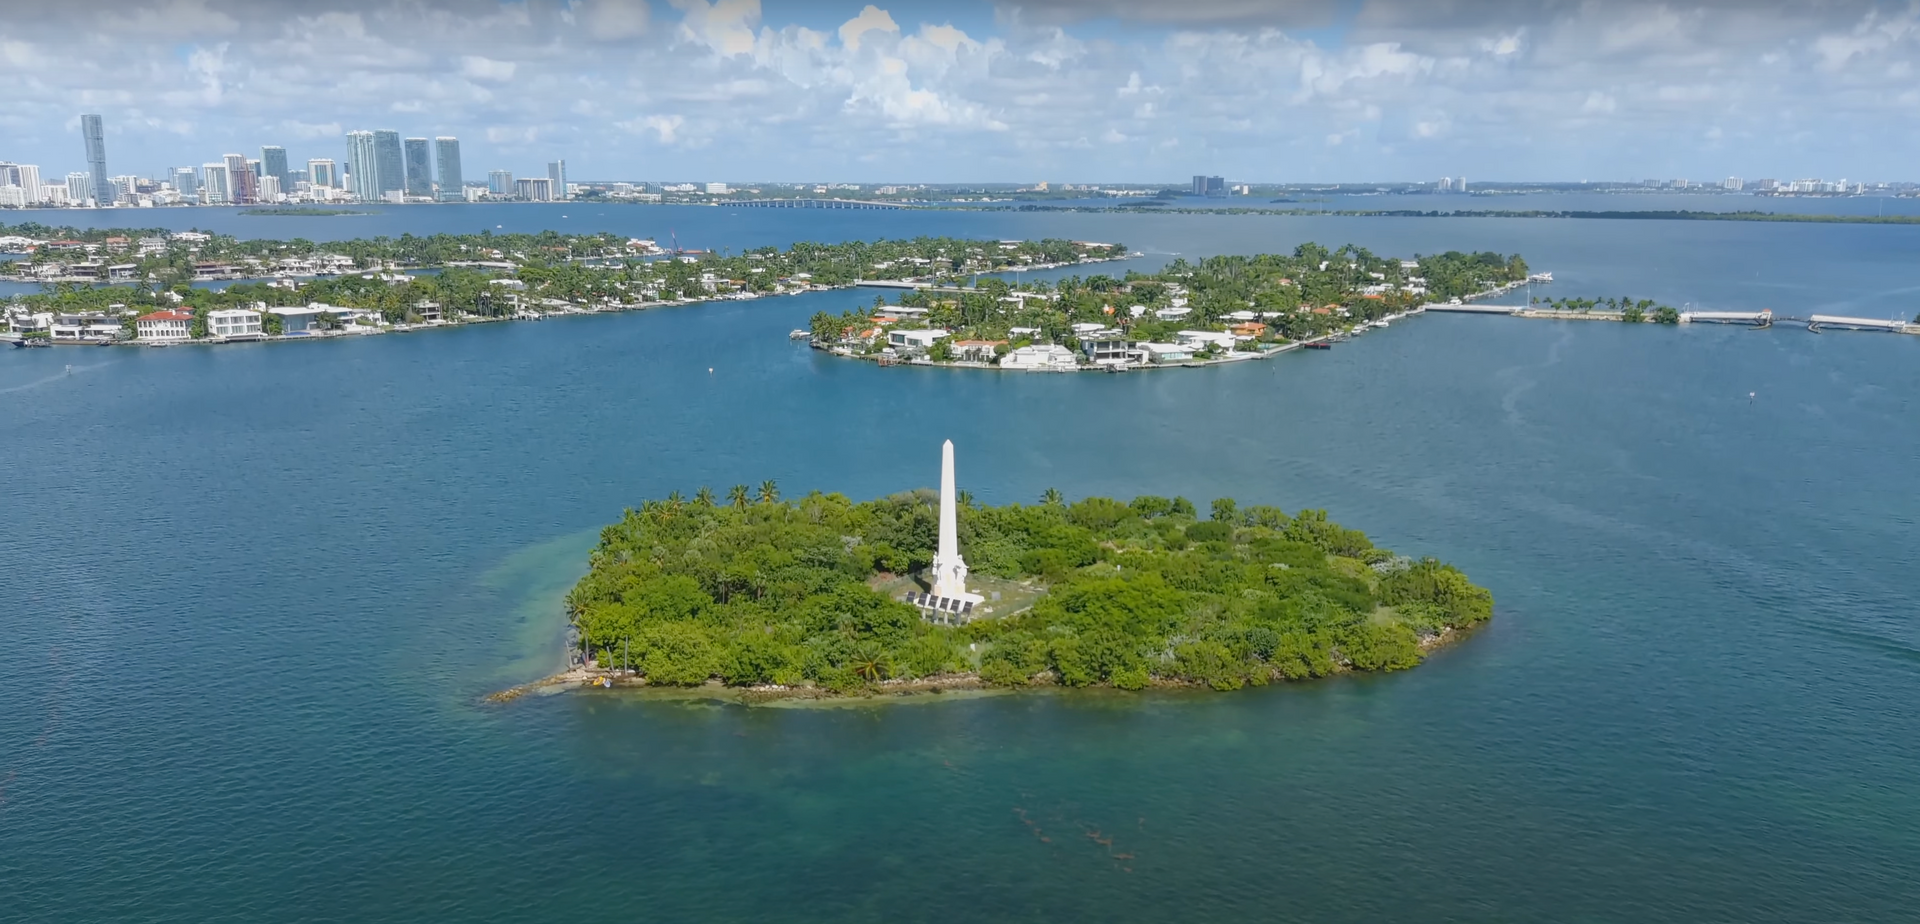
[1317, 345]
[798, 334]
[1380, 323]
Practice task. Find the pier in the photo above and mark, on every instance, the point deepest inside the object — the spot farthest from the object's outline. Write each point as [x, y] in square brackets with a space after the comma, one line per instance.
[1756, 318]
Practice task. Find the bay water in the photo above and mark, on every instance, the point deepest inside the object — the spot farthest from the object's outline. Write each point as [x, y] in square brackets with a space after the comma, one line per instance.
[255, 595]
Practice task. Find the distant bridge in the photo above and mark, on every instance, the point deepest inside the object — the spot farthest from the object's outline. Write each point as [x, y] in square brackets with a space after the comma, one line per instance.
[817, 204]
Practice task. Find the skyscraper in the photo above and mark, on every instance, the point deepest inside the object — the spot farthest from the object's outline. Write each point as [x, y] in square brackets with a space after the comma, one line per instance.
[447, 151]
[213, 184]
[270, 188]
[419, 168]
[242, 189]
[500, 182]
[1209, 186]
[187, 182]
[322, 172]
[24, 176]
[96, 135]
[273, 163]
[79, 187]
[557, 178]
[362, 166]
[390, 171]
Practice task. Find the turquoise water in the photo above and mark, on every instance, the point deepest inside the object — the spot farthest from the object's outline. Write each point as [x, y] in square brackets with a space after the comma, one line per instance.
[256, 592]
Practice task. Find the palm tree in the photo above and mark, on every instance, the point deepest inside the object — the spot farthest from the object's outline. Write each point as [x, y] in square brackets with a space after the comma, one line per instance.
[1052, 498]
[704, 496]
[769, 492]
[869, 663]
[737, 495]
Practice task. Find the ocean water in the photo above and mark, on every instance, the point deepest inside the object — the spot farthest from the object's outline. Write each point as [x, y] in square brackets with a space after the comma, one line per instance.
[256, 593]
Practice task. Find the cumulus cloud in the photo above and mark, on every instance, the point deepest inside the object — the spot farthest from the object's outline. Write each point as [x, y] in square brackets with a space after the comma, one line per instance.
[1280, 89]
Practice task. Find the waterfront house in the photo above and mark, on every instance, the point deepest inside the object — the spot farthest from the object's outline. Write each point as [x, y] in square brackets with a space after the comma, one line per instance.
[164, 326]
[1198, 340]
[1040, 358]
[1163, 353]
[1106, 345]
[233, 322]
[1248, 330]
[976, 350]
[122, 272]
[89, 326]
[909, 341]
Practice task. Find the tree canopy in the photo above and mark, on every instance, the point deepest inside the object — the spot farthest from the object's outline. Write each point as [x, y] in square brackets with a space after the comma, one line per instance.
[757, 590]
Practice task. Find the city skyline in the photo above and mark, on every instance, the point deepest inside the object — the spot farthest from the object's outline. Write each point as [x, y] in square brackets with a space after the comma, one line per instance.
[1099, 90]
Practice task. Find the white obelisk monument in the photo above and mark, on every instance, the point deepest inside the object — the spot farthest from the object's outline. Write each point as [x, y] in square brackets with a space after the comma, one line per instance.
[949, 569]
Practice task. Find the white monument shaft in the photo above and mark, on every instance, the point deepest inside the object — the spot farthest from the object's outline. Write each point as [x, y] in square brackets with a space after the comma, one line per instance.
[949, 569]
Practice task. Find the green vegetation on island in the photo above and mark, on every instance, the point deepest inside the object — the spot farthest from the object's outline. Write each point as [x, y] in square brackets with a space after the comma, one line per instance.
[753, 590]
[446, 277]
[1626, 309]
[1250, 302]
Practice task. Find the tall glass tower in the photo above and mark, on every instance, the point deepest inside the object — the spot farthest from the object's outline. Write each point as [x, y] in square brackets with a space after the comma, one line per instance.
[363, 166]
[419, 168]
[96, 136]
[273, 163]
[390, 171]
[557, 177]
[447, 151]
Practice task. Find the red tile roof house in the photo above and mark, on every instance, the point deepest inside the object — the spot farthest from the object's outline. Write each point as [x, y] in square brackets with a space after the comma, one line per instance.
[161, 326]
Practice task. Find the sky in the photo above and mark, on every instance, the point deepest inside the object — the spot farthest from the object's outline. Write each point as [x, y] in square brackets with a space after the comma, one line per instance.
[948, 91]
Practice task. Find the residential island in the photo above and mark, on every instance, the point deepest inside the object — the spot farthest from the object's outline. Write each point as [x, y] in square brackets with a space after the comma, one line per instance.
[770, 598]
[1220, 309]
[139, 287]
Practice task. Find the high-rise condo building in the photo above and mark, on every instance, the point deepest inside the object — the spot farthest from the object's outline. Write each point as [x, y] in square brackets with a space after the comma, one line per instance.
[1209, 186]
[500, 182]
[95, 134]
[25, 177]
[186, 182]
[213, 184]
[243, 187]
[322, 172]
[390, 171]
[273, 163]
[534, 189]
[419, 167]
[447, 152]
[363, 166]
[79, 187]
[557, 179]
[270, 190]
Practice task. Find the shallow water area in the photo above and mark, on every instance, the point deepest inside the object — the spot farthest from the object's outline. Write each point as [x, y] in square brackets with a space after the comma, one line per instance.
[262, 590]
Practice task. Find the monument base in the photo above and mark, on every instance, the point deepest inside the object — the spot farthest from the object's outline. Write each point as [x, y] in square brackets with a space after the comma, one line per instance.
[944, 611]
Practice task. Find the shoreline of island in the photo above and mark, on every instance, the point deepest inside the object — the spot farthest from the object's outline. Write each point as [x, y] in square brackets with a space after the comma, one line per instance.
[942, 688]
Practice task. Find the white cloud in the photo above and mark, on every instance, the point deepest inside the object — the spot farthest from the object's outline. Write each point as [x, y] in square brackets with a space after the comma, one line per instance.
[1377, 89]
[477, 67]
[871, 19]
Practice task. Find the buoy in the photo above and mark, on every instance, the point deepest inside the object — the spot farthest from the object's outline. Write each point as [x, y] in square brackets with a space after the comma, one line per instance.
[709, 370]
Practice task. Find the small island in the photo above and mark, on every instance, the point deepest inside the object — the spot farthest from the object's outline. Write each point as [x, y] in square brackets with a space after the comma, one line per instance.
[777, 598]
[1219, 309]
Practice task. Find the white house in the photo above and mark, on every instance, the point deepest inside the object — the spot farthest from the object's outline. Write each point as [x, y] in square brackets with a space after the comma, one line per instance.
[83, 327]
[914, 339]
[1197, 340]
[233, 322]
[1041, 358]
[1166, 352]
[1172, 314]
[165, 326]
